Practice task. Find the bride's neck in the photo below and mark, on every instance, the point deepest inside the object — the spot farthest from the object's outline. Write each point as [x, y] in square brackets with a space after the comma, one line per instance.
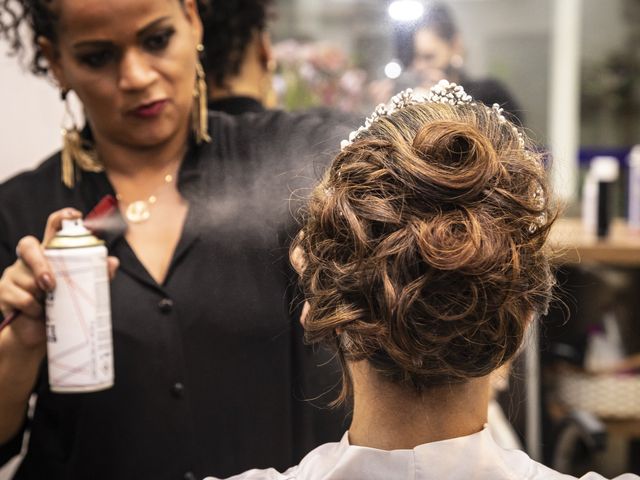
[389, 417]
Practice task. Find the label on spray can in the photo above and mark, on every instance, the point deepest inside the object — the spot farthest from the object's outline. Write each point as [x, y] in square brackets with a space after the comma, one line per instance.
[78, 312]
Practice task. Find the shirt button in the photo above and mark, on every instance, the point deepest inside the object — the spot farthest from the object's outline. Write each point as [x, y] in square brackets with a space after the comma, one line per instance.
[165, 305]
[177, 390]
[189, 476]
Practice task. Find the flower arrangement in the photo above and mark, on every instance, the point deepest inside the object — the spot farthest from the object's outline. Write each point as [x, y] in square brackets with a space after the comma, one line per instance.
[313, 74]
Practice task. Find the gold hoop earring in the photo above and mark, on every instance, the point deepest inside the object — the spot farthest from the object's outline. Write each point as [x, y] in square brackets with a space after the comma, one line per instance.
[77, 153]
[199, 114]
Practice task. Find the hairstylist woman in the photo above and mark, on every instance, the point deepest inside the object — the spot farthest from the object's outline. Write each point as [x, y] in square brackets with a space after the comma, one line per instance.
[201, 317]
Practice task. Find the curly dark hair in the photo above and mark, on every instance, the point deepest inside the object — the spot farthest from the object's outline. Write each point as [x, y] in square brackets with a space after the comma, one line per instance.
[228, 29]
[40, 17]
[424, 246]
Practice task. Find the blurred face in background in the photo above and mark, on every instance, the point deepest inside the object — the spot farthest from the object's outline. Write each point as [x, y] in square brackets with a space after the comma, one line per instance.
[433, 55]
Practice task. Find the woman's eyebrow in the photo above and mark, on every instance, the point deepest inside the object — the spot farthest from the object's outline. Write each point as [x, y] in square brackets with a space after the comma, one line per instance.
[141, 33]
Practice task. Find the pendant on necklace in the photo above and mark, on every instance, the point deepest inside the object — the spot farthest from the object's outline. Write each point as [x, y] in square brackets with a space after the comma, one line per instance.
[138, 212]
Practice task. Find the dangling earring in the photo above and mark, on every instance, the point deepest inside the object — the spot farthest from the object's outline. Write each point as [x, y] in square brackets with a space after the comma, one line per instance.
[76, 151]
[199, 115]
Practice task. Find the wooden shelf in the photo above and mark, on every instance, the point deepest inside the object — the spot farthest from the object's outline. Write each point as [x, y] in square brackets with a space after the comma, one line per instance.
[574, 245]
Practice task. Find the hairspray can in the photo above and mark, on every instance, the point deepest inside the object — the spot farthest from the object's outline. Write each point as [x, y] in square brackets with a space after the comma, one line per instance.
[78, 312]
[634, 189]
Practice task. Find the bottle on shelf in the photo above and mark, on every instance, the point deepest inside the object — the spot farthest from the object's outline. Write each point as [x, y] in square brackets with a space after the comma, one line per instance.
[597, 201]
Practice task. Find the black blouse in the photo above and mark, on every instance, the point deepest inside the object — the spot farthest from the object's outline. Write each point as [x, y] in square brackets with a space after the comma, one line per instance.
[211, 375]
[236, 105]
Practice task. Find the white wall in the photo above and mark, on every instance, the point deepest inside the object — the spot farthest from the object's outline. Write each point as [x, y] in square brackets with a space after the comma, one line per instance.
[30, 116]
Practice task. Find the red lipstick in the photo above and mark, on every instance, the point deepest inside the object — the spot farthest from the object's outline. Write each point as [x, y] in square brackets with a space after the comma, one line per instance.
[149, 110]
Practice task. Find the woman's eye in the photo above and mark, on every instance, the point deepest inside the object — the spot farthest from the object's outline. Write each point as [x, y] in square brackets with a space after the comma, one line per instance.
[96, 59]
[158, 41]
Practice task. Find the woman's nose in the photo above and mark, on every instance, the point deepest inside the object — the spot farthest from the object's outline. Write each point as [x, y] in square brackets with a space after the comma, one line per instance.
[136, 73]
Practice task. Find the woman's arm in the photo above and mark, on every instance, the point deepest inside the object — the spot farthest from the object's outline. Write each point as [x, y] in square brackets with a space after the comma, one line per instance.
[19, 366]
[23, 342]
[23, 286]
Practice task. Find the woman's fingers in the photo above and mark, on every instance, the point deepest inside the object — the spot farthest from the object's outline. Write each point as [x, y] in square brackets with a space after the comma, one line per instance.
[22, 300]
[23, 278]
[31, 254]
[22, 284]
[54, 222]
[112, 265]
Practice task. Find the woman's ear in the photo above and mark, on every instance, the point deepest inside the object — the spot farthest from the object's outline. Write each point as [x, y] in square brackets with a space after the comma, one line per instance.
[265, 52]
[52, 55]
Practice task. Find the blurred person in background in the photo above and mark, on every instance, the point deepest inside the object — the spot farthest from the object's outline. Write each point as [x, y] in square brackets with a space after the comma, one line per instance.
[238, 58]
[239, 63]
[432, 49]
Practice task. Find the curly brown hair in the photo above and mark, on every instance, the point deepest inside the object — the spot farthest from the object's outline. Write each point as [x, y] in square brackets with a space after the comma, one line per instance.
[424, 246]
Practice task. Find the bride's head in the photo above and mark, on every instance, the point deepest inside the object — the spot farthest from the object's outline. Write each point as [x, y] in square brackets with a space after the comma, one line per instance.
[423, 249]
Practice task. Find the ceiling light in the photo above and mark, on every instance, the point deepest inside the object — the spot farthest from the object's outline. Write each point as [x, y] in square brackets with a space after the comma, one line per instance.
[406, 10]
[392, 70]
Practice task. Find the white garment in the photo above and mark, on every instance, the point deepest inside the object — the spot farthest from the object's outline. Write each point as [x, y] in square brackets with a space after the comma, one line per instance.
[473, 457]
[500, 428]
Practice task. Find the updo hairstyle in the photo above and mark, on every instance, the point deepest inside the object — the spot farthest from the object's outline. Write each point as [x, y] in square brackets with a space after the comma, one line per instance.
[424, 246]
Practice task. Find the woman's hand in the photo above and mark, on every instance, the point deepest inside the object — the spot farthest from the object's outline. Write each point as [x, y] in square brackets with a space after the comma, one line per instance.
[23, 285]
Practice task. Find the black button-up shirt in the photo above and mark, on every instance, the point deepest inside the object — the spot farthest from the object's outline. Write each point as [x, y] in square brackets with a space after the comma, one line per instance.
[211, 377]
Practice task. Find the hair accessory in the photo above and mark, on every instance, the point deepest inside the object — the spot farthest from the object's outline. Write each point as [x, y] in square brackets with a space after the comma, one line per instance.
[539, 201]
[449, 93]
[443, 92]
[499, 112]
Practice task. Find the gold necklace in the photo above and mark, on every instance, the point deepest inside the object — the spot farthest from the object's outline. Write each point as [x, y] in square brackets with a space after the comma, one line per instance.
[139, 211]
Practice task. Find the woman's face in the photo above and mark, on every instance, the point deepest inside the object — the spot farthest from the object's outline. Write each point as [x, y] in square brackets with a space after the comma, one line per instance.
[132, 63]
[432, 54]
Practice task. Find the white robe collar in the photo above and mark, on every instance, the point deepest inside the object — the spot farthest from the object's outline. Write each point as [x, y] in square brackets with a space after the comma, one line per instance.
[473, 457]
